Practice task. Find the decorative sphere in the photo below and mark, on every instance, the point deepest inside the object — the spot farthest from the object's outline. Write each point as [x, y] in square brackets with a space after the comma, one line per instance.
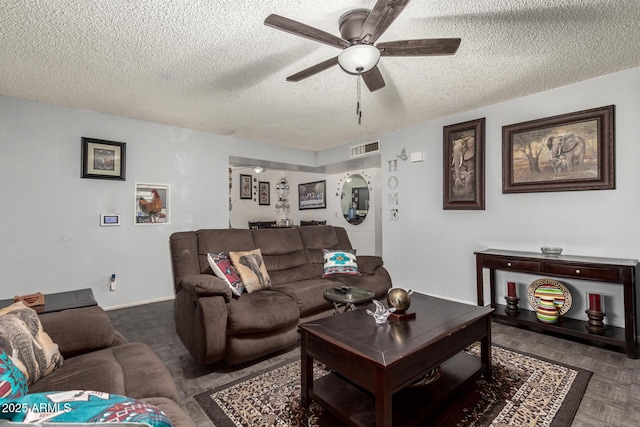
[399, 298]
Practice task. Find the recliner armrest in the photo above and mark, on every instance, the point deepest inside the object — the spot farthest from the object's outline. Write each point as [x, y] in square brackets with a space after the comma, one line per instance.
[79, 330]
[206, 285]
[367, 264]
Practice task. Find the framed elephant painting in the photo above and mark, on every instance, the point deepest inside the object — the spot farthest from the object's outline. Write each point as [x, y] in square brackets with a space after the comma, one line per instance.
[463, 165]
[568, 152]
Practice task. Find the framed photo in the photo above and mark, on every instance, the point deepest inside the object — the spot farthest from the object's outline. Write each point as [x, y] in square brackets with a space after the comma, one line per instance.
[103, 159]
[312, 195]
[264, 193]
[151, 204]
[245, 187]
[569, 152]
[463, 165]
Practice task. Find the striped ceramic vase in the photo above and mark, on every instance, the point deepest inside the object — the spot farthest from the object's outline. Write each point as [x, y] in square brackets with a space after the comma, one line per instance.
[547, 311]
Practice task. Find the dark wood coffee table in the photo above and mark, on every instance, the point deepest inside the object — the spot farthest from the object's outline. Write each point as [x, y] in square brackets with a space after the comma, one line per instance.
[375, 365]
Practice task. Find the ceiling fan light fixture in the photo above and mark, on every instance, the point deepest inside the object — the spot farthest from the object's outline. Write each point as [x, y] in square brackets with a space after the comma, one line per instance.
[359, 58]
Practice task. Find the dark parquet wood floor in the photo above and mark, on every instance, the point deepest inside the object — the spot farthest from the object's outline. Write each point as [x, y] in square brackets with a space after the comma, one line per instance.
[612, 398]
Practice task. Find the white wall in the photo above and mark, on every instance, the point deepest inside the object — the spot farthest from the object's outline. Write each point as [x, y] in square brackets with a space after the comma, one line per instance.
[364, 237]
[431, 250]
[426, 248]
[245, 210]
[51, 240]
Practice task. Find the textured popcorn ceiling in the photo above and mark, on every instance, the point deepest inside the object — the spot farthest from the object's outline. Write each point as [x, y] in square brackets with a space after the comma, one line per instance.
[212, 65]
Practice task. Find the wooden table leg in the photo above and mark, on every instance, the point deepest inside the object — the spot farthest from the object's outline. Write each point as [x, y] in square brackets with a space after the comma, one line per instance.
[306, 371]
[485, 349]
[383, 401]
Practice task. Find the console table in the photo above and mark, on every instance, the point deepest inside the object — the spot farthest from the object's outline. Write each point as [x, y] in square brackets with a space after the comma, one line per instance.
[610, 270]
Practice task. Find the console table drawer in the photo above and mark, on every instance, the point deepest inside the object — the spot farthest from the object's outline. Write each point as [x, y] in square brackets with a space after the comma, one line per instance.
[508, 264]
[598, 273]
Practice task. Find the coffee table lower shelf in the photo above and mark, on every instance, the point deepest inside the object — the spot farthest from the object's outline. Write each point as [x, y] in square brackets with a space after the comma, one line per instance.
[411, 406]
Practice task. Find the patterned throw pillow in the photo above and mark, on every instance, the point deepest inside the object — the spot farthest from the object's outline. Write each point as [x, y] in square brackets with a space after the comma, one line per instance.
[340, 262]
[13, 383]
[222, 268]
[250, 266]
[28, 346]
[81, 406]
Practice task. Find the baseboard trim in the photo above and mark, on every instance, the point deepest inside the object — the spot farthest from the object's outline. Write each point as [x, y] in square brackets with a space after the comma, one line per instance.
[452, 299]
[116, 307]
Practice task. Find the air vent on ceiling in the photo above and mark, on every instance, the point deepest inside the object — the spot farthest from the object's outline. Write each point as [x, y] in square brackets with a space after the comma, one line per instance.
[368, 148]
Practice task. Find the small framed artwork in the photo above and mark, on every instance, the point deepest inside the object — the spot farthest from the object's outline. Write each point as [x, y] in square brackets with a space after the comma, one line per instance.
[568, 152]
[246, 190]
[312, 195]
[463, 165]
[103, 159]
[151, 204]
[264, 193]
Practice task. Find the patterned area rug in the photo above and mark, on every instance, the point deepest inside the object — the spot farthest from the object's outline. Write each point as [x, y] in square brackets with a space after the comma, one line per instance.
[525, 391]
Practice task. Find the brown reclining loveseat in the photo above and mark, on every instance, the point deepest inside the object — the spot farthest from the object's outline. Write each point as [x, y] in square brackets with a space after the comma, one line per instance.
[98, 358]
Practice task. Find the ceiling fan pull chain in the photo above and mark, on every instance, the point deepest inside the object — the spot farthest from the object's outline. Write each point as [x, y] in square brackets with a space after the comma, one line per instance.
[358, 109]
[358, 97]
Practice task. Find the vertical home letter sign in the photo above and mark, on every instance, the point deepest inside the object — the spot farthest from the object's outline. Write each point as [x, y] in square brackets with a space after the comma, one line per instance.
[393, 183]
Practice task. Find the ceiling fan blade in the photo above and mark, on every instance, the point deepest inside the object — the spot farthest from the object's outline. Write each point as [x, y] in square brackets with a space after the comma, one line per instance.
[381, 16]
[313, 70]
[299, 29]
[373, 79]
[421, 47]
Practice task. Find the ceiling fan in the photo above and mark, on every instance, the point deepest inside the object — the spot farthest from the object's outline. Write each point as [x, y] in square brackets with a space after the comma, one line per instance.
[360, 28]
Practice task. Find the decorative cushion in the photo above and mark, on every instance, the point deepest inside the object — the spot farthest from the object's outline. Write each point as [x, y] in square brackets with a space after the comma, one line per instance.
[28, 346]
[367, 264]
[223, 268]
[340, 262]
[78, 406]
[250, 266]
[13, 383]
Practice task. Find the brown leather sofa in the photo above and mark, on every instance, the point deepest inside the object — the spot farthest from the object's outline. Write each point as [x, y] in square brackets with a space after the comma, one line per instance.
[214, 325]
[98, 358]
